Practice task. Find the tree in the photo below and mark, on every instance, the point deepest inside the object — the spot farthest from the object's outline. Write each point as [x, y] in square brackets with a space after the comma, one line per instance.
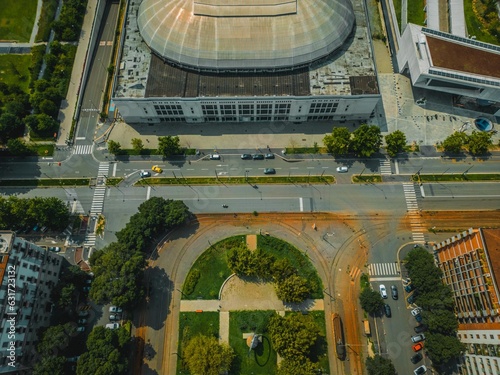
[371, 301]
[454, 142]
[18, 147]
[379, 365]
[293, 335]
[282, 269]
[441, 321]
[293, 289]
[41, 124]
[10, 127]
[55, 338]
[478, 143]
[105, 353]
[204, 355]
[297, 367]
[425, 276]
[168, 146]
[50, 365]
[242, 261]
[66, 297]
[366, 140]
[114, 147]
[48, 107]
[338, 142]
[442, 348]
[396, 142]
[137, 145]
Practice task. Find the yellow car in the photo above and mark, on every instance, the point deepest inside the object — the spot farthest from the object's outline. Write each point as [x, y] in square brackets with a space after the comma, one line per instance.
[156, 169]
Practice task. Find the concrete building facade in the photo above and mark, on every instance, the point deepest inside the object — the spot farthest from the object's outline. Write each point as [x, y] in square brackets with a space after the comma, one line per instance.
[470, 262]
[28, 273]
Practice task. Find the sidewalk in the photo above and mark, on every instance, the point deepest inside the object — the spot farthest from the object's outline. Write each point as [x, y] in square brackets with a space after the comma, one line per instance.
[68, 105]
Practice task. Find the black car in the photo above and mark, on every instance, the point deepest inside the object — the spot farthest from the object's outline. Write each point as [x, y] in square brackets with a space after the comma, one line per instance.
[246, 156]
[269, 171]
[408, 288]
[420, 328]
[269, 156]
[394, 292]
[411, 299]
[387, 310]
[416, 358]
[258, 157]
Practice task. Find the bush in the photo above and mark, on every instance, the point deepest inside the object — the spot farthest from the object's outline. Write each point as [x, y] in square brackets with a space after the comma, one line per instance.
[191, 281]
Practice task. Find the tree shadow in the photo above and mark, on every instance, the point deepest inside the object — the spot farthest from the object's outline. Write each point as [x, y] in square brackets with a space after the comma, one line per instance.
[159, 290]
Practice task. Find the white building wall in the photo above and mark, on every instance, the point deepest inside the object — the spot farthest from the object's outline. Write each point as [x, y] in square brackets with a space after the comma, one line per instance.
[482, 351]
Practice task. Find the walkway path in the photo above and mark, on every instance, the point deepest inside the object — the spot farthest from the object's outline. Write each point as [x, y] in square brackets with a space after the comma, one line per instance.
[37, 18]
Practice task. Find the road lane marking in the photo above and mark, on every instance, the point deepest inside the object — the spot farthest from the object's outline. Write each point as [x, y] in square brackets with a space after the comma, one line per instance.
[422, 191]
[301, 204]
[375, 279]
[114, 169]
[464, 196]
[396, 165]
[148, 193]
[294, 167]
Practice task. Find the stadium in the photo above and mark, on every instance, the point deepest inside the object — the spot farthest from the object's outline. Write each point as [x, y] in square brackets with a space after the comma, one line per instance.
[201, 61]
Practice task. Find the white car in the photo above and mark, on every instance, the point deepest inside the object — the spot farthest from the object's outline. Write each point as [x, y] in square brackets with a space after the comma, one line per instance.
[416, 311]
[342, 169]
[383, 291]
[115, 309]
[420, 370]
[112, 326]
[214, 157]
[418, 338]
[145, 174]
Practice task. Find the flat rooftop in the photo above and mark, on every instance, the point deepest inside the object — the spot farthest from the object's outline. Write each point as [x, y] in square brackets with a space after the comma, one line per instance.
[348, 71]
[469, 58]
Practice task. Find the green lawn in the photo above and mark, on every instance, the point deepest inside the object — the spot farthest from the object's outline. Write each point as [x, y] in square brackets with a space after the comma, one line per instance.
[326, 179]
[17, 19]
[397, 9]
[474, 27]
[319, 352]
[14, 70]
[262, 360]
[192, 324]
[212, 265]
[457, 177]
[416, 12]
[282, 249]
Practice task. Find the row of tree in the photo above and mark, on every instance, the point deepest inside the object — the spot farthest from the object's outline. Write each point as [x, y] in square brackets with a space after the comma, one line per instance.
[68, 26]
[436, 300]
[290, 286]
[119, 267]
[477, 143]
[23, 213]
[167, 146]
[363, 142]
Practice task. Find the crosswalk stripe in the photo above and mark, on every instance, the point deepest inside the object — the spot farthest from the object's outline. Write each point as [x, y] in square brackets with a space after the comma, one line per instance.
[383, 269]
[385, 167]
[82, 149]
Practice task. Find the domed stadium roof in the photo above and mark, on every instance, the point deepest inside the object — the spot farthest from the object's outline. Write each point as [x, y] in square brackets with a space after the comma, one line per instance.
[244, 35]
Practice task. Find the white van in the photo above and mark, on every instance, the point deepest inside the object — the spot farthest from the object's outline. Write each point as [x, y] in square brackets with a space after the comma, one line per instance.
[214, 157]
[112, 325]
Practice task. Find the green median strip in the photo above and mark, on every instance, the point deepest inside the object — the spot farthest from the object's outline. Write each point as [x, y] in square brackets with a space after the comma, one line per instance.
[237, 180]
[46, 182]
[456, 177]
[366, 179]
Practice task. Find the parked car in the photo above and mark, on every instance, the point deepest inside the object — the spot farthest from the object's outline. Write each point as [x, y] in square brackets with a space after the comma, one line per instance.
[214, 157]
[269, 171]
[258, 157]
[113, 325]
[86, 289]
[416, 311]
[387, 310]
[145, 174]
[417, 347]
[246, 156]
[418, 318]
[420, 328]
[114, 317]
[418, 338]
[115, 309]
[342, 169]
[408, 288]
[83, 314]
[82, 321]
[420, 370]
[394, 292]
[72, 359]
[55, 249]
[80, 329]
[156, 169]
[416, 358]
[383, 291]
[269, 156]
[411, 299]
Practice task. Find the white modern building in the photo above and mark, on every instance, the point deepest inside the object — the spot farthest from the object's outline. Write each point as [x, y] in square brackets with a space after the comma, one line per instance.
[450, 64]
[28, 273]
[239, 61]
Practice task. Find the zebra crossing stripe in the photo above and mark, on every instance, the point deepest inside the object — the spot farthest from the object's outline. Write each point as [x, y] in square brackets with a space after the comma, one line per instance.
[385, 167]
[82, 149]
[384, 269]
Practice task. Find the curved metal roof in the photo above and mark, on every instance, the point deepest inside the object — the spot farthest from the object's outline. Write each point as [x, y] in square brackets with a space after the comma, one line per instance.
[237, 35]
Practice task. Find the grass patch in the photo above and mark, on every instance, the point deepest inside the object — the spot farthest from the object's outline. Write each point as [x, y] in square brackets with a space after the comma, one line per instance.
[213, 269]
[319, 352]
[192, 324]
[457, 177]
[236, 180]
[17, 20]
[14, 70]
[366, 179]
[47, 182]
[397, 9]
[43, 150]
[152, 151]
[306, 150]
[47, 15]
[416, 12]
[364, 281]
[113, 181]
[474, 26]
[282, 249]
[263, 359]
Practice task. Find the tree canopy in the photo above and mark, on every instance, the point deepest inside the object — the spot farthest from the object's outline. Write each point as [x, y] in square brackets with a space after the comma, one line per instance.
[455, 142]
[371, 301]
[114, 147]
[366, 140]
[204, 355]
[293, 289]
[379, 365]
[478, 143]
[338, 142]
[293, 335]
[297, 367]
[50, 365]
[396, 142]
[169, 145]
[442, 348]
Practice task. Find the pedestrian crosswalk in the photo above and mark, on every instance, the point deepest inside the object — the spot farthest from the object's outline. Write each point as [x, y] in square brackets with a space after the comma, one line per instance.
[97, 202]
[413, 212]
[384, 269]
[82, 149]
[385, 167]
